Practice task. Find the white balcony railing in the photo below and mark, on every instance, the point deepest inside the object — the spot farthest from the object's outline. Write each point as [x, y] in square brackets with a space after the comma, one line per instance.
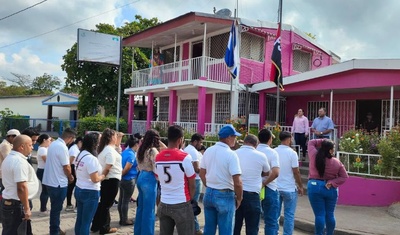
[139, 126]
[212, 128]
[160, 124]
[185, 70]
[190, 127]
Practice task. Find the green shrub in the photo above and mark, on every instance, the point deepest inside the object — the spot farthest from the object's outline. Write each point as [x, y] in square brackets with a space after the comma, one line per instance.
[8, 120]
[99, 123]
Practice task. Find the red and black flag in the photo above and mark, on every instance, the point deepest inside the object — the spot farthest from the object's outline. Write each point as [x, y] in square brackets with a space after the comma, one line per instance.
[276, 62]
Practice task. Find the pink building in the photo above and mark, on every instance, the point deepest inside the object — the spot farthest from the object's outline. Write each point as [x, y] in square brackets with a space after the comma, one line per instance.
[190, 82]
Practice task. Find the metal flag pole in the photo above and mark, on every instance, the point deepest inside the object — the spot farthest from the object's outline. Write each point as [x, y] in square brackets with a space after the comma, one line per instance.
[119, 85]
[278, 85]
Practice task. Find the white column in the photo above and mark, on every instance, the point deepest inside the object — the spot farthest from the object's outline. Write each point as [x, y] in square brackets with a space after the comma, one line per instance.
[391, 108]
[203, 62]
[331, 105]
[151, 64]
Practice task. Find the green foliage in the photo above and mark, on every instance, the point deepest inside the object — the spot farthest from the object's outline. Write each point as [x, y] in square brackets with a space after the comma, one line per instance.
[11, 121]
[57, 124]
[389, 148]
[45, 84]
[357, 141]
[99, 123]
[96, 84]
[41, 85]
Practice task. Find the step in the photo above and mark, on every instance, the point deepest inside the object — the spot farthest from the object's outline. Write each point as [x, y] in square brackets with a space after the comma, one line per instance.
[304, 170]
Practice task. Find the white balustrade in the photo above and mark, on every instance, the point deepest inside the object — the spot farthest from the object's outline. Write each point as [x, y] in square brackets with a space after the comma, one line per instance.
[212, 128]
[190, 127]
[138, 126]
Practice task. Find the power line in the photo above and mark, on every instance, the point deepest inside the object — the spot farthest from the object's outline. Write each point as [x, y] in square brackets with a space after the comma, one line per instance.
[23, 10]
[51, 31]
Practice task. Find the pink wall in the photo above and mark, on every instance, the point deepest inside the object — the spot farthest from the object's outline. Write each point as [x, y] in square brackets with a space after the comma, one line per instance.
[358, 191]
[185, 51]
[201, 108]
[251, 71]
[209, 99]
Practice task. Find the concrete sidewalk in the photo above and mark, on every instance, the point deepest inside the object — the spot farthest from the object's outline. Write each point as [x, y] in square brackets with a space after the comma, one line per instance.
[350, 220]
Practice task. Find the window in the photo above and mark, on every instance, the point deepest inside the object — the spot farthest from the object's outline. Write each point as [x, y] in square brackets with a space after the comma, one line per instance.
[222, 107]
[271, 110]
[254, 108]
[189, 110]
[169, 55]
[163, 109]
[301, 61]
[218, 45]
[314, 106]
[252, 47]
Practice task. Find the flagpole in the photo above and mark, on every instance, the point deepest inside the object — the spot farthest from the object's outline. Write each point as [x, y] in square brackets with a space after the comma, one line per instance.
[278, 85]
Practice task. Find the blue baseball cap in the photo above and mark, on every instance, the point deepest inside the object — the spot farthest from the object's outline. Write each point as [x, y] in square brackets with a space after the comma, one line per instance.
[227, 131]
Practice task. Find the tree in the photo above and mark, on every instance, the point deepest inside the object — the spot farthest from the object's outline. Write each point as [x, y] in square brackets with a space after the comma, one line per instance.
[97, 84]
[45, 84]
[41, 85]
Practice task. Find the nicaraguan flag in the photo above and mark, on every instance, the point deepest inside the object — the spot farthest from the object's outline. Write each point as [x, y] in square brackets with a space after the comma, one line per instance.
[276, 62]
[231, 53]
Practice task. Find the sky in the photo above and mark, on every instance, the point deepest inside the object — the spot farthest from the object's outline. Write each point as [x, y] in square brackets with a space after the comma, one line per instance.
[34, 41]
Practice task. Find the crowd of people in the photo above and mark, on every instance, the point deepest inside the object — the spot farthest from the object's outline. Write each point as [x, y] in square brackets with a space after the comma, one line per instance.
[241, 184]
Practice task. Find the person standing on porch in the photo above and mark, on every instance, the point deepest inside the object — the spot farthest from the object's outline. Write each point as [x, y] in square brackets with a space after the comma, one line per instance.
[270, 204]
[300, 129]
[254, 165]
[326, 174]
[288, 177]
[322, 126]
[220, 173]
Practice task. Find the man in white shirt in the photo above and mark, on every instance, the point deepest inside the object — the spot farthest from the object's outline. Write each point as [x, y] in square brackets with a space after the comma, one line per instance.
[57, 176]
[177, 179]
[5, 149]
[193, 150]
[220, 173]
[254, 165]
[288, 177]
[270, 204]
[21, 184]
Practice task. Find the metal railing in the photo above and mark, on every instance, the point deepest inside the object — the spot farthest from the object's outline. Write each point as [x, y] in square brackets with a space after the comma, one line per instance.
[185, 70]
[139, 126]
[160, 125]
[364, 164]
[190, 127]
[212, 128]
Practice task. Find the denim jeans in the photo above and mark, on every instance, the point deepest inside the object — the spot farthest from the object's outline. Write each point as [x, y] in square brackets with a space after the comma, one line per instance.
[12, 216]
[250, 211]
[44, 196]
[301, 139]
[126, 188]
[86, 203]
[270, 206]
[323, 202]
[71, 186]
[219, 210]
[145, 212]
[57, 197]
[197, 197]
[102, 218]
[289, 200]
[180, 215]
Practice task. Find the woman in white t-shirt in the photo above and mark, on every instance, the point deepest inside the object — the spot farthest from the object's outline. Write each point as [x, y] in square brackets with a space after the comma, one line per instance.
[87, 189]
[111, 162]
[44, 140]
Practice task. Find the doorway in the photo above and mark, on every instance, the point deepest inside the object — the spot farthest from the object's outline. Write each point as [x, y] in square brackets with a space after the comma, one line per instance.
[364, 107]
[197, 51]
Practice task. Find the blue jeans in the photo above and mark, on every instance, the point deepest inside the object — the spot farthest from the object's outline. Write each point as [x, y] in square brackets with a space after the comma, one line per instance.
[126, 188]
[323, 202]
[289, 200]
[12, 217]
[271, 209]
[196, 197]
[145, 213]
[57, 197]
[250, 211]
[86, 202]
[219, 210]
[44, 196]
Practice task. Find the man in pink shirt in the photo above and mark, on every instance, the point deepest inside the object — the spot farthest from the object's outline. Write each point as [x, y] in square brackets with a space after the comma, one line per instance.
[300, 129]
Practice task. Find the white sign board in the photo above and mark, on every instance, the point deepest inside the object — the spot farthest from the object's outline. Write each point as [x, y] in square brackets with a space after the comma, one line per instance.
[254, 119]
[98, 47]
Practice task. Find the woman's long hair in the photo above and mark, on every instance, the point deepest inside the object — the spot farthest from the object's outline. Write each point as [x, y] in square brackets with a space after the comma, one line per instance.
[105, 139]
[90, 142]
[151, 139]
[322, 154]
[42, 138]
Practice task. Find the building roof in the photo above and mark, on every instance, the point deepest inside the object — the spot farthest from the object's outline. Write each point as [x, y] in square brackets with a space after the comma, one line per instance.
[61, 99]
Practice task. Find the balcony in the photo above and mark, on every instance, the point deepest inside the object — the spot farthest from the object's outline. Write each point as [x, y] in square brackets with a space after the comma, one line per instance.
[186, 70]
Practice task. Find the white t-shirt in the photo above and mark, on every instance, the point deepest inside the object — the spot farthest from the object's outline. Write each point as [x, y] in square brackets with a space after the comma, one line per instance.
[57, 157]
[273, 160]
[173, 168]
[110, 156]
[252, 163]
[220, 163]
[42, 151]
[196, 155]
[16, 169]
[74, 151]
[288, 160]
[88, 164]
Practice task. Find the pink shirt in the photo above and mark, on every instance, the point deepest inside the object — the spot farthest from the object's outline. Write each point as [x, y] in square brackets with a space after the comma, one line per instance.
[300, 125]
[335, 173]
